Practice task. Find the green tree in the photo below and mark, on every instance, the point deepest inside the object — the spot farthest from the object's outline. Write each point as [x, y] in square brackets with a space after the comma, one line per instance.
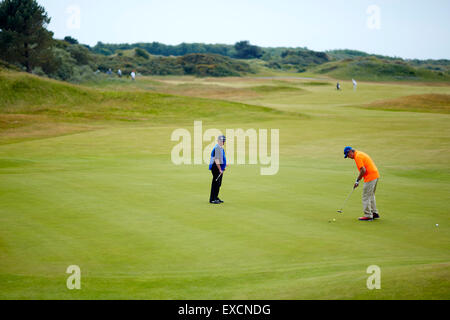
[244, 50]
[70, 40]
[81, 54]
[24, 38]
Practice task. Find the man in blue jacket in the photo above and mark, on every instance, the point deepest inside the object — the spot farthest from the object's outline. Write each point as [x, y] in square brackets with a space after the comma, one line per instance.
[217, 166]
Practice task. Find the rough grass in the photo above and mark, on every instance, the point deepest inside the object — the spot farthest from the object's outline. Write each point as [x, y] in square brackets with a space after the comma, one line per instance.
[275, 89]
[27, 101]
[26, 94]
[316, 83]
[374, 69]
[435, 103]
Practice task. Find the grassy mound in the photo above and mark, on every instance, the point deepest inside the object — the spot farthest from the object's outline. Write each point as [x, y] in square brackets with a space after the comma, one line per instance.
[26, 94]
[273, 89]
[435, 103]
[375, 69]
[316, 83]
[35, 107]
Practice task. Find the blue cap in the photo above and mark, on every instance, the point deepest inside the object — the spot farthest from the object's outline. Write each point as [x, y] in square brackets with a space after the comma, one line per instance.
[222, 138]
[346, 151]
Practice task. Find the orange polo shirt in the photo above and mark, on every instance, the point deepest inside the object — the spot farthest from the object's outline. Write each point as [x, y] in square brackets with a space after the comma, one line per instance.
[363, 160]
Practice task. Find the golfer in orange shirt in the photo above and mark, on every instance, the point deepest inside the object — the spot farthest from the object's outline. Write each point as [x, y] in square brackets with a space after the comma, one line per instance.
[367, 170]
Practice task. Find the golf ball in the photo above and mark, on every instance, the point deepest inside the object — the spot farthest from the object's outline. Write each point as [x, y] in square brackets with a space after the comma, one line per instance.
[437, 224]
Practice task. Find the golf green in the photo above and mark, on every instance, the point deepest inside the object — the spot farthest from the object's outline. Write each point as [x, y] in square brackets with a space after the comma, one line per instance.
[109, 199]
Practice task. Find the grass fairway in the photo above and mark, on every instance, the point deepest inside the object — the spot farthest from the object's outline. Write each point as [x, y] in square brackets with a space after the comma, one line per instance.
[93, 185]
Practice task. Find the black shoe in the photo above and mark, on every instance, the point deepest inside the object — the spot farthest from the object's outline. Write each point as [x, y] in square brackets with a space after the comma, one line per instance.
[215, 202]
[376, 216]
[220, 200]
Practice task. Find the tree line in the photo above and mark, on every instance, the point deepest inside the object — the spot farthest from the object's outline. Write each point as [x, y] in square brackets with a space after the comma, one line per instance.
[241, 50]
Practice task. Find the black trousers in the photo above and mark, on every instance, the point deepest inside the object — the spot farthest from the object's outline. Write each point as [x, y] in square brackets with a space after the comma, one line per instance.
[215, 185]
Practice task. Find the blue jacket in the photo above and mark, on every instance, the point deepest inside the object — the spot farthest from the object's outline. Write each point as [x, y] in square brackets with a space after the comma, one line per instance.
[223, 163]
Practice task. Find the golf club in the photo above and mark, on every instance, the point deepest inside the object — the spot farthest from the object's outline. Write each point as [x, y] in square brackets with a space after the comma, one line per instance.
[343, 206]
[219, 177]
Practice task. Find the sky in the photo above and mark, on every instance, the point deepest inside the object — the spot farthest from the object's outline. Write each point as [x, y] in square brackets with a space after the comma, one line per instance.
[412, 29]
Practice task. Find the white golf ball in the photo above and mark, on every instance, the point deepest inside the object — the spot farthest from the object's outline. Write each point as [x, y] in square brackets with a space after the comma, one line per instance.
[437, 224]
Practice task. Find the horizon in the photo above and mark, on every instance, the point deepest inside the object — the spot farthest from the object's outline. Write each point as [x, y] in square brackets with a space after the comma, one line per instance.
[380, 27]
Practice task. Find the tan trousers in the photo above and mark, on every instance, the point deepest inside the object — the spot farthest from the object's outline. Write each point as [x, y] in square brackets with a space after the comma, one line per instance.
[368, 198]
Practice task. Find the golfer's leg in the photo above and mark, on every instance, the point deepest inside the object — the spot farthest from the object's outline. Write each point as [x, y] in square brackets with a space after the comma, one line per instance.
[213, 195]
[216, 195]
[366, 197]
[219, 184]
[373, 202]
[213, 190]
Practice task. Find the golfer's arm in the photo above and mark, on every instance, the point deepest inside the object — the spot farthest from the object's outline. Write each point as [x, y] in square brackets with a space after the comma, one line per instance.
[361, 173]
[218, 165]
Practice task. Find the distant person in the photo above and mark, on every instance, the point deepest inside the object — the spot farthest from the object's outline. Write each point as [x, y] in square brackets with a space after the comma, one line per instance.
[217, 166]
[367, 170]
[355, 84]
[133, 76]
[119, 73]
[109, 72]
[338, 86]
